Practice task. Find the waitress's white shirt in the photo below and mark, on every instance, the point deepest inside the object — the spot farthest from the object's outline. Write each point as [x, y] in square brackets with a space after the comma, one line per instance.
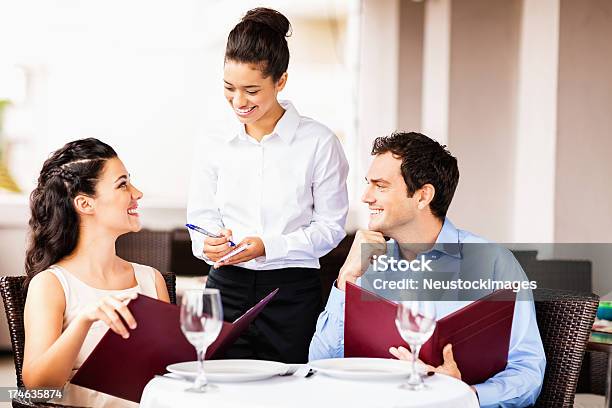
[289, 190]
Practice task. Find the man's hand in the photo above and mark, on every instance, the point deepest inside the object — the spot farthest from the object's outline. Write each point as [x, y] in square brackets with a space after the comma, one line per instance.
[402, 353]
[448, 367]
[216, 248]
[353, 268]
[255, 249]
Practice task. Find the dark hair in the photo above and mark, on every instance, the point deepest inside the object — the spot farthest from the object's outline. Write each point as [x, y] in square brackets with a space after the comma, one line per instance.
[259, 38]
[54, 223]
[424, 161]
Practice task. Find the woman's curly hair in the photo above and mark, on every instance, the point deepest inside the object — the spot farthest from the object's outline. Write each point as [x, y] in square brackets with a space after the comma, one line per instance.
[54, 223]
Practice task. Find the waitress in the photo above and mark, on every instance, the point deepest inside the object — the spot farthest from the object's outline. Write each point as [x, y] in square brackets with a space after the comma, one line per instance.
[276, 185]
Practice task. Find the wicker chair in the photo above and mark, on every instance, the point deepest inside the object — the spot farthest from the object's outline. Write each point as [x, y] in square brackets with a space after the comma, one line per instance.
[147, 247]
[565, 320]
[14, 298]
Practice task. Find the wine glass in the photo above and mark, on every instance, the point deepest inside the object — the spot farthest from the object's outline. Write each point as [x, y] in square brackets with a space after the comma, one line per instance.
[201, 322]
[415, 321]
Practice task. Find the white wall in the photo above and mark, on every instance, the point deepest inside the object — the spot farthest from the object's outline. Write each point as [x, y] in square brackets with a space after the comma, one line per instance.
[482, 130]
[583, 191]
[378, 83]
[436, 69]
[534, 166]
[583, 196]
[410, 76]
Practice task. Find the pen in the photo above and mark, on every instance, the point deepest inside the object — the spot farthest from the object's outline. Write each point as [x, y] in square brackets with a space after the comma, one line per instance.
[207, 233]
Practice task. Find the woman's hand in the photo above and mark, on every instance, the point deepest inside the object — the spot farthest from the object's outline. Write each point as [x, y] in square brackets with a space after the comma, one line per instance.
[216, 248]
[108, 310]
[255, 248]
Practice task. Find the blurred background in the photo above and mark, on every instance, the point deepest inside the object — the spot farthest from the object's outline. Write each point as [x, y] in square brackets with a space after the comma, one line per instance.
[520, 91]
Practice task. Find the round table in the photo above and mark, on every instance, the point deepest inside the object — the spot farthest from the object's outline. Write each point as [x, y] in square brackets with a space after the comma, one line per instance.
[313, 392]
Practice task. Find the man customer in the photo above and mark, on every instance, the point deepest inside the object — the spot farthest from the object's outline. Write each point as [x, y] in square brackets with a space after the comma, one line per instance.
[410, 185]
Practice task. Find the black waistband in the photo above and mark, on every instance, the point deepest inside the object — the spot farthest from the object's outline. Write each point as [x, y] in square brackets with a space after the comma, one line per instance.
[265, 277]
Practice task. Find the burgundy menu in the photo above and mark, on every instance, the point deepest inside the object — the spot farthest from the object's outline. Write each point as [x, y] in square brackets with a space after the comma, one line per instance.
[122, 367]
[479, 332]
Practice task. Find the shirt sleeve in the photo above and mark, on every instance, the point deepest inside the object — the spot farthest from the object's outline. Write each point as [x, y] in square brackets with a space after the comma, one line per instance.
[201, 206]
[328, 340]
[519, 385]
[330, 207]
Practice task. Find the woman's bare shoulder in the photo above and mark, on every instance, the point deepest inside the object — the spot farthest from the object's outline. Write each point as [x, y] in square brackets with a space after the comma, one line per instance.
[46, 287]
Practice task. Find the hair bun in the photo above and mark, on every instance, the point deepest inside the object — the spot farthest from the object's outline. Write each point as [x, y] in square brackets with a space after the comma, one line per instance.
[271, 18]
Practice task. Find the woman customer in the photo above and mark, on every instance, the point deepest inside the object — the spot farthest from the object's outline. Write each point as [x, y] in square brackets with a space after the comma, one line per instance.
[77, 285]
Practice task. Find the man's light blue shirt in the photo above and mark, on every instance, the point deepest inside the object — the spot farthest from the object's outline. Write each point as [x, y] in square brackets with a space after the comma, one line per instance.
[519, 384]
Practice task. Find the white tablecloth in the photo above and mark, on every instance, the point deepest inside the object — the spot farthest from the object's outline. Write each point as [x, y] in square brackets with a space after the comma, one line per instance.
[318, 391]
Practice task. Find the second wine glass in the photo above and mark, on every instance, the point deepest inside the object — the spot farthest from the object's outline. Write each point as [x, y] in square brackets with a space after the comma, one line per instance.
[201, 323]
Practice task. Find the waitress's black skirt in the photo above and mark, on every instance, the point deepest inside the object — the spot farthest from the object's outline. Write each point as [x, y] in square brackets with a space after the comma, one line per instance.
[284, 328]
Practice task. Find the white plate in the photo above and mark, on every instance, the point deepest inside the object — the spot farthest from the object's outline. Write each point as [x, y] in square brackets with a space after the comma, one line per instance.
[354, 368]
[230, 370]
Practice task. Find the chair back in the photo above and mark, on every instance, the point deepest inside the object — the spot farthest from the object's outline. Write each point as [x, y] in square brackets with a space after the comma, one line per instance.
[170, 278]
[565, 320]
[14, 297]
[146, 247]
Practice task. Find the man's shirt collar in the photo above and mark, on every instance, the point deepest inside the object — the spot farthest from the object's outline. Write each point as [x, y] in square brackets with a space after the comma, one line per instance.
[448, 242]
